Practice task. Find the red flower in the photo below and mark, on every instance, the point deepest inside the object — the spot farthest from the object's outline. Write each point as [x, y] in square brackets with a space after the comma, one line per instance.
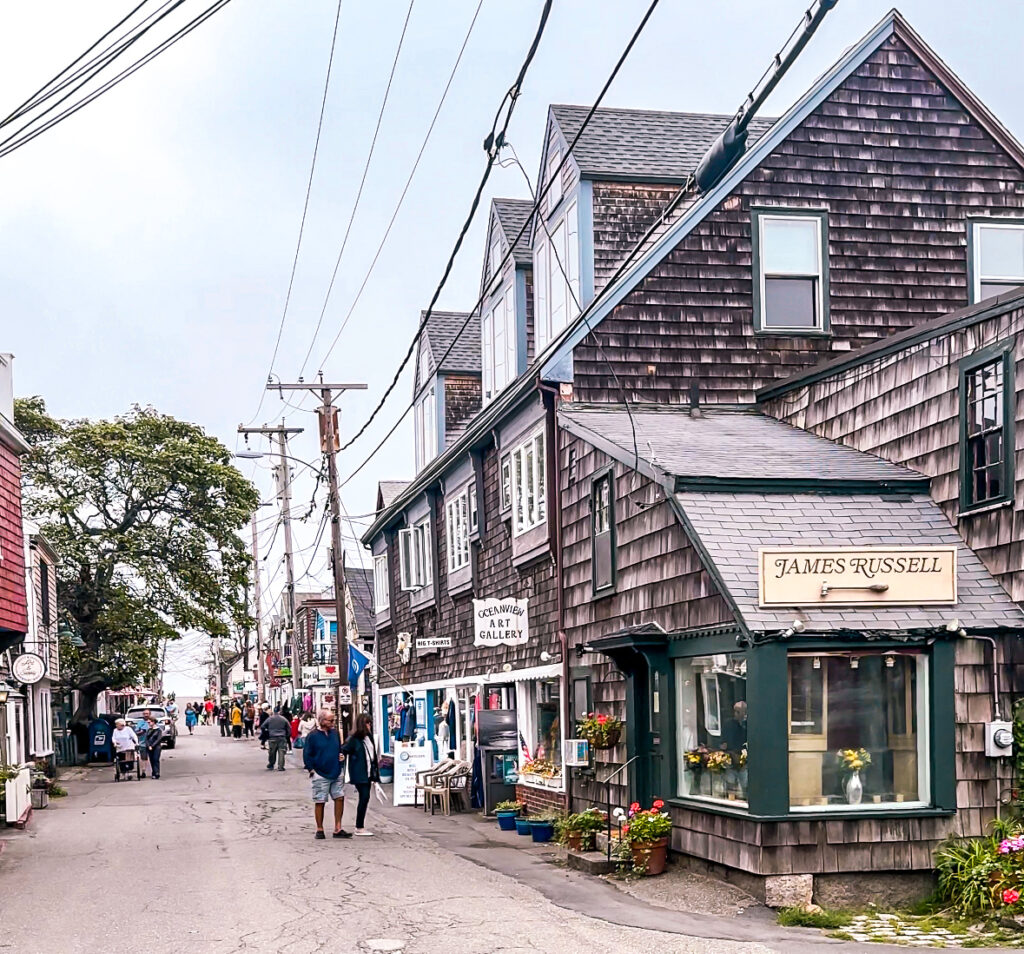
[635, 807]
[1011, 896]
[658, 804]
[625, 828]
[602, 719]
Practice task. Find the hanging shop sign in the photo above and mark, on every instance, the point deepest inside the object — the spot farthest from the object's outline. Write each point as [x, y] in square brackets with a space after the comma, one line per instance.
[857, 576]
[432, 644]
[309, 674]
[328, 673]
[500, 622]
[28, 668]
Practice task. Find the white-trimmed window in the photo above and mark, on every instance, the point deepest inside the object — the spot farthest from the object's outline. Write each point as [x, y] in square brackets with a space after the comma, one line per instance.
[381, 584]
[506, 483]
[457, 514]
[791, 272]
[425, 424]
[494, 257]
[499, 338]
[414, 555]
[998, 257]
[474, 513]
[529, 503]
[554, 176]
[556, 275]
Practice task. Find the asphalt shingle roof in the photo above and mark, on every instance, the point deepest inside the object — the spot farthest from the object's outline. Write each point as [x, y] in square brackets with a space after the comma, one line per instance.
[732, 526]
[728, 443]
[390, 489]
[513, 214]
[648, 143]
[441, 331]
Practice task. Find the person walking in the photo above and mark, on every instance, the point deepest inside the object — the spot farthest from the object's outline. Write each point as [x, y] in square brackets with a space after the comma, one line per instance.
[152, 743]
[363, 767]
[208, 712]
[323, 759]
[190, 719]
[224, 720]
[236, 721]
[279, 740]
[248, 718]
[306, 725]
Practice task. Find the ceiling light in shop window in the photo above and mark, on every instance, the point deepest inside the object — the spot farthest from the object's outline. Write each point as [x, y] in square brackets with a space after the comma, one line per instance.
[890, 660]
[817, 662]
[855, 662]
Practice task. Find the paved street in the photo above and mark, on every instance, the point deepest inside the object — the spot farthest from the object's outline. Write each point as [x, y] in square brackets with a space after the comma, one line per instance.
[218, 856]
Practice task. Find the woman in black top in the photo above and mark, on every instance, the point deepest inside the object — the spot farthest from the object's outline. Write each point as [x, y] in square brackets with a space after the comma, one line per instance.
[363, 767]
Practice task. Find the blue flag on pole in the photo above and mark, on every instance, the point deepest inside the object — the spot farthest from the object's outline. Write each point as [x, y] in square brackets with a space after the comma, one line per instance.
[357, 662]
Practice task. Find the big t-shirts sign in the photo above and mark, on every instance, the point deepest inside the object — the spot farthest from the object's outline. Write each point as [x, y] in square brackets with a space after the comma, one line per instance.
[500, 622]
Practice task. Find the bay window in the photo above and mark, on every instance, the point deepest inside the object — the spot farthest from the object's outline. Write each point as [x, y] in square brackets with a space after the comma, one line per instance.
[556, 276]
[528, 492]
[790, 271]
[381, 584]
[457, 515]
[414, 554]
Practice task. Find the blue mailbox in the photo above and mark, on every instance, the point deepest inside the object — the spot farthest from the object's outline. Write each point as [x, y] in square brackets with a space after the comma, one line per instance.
[101, 743]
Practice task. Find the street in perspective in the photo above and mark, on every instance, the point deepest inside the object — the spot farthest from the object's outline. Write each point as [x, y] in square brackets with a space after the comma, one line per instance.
[500, 478]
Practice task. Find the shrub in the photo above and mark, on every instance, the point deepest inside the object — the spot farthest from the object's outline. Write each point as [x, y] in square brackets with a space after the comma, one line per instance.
[509, 806]
[980, 875]
[829, 920]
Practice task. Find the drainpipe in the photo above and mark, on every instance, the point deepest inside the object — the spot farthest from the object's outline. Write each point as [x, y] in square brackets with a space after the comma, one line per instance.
[963, 634]
[550, 396]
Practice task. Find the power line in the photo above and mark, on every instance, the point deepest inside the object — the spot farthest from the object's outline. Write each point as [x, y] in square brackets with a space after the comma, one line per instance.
[359, 191]
[495, 138]
[305, 210]
[405, 189]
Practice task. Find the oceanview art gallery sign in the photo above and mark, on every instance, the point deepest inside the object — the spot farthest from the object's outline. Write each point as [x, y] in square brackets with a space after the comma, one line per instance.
[500, 622]
[849, 576]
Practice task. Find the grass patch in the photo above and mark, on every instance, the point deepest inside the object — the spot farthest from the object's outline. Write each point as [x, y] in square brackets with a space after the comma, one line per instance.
[827, 920]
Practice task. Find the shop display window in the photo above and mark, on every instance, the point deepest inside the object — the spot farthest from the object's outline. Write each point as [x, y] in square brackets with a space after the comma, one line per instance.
[857, 730]
[712, 727]
[538, 705]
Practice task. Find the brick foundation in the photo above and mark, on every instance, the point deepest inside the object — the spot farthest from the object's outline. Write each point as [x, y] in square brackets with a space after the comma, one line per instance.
[540, 800]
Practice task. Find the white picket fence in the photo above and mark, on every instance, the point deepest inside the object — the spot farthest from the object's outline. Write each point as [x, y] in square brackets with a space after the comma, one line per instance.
[18, 795]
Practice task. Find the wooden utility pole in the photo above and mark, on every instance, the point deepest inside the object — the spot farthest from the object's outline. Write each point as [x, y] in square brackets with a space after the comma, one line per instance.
[330, 444]
[260, 671]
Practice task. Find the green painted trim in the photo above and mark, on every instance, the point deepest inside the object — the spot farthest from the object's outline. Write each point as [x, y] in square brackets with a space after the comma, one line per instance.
[801, 485]
[967, 365]
[767, 730]
[608, 473]
[941, 663]
[756, 214]
[702, 646]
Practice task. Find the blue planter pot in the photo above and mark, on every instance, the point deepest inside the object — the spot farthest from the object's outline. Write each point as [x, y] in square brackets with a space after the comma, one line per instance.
[507, 820]
[542, 830]
[386, 777]
[522, 826]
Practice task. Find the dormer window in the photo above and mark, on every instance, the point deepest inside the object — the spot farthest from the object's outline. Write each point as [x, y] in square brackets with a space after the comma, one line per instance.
[494, 259]
[554, 176]
[499, 335]
[998, 264]
[425, 426]
[556, 276]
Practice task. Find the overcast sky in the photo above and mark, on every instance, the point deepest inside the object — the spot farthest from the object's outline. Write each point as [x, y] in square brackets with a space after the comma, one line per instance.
[147, 241]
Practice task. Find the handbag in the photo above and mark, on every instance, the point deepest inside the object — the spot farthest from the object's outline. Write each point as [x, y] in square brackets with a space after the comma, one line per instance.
[300, 743]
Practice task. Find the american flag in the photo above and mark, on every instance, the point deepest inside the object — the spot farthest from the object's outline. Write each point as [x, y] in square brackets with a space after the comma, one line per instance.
[525, 747]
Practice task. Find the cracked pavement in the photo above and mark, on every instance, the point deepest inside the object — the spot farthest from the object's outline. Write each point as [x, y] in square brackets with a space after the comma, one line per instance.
[218, 857]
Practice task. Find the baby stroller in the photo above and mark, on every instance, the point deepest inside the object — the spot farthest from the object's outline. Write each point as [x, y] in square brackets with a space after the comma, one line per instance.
[127, 764]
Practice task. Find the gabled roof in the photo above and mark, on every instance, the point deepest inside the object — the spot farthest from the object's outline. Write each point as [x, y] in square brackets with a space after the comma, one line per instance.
[642, 143]
[730, 528]
[512, 215]
[893, 24]
[441, 330]
[388, 490]
[728, 445]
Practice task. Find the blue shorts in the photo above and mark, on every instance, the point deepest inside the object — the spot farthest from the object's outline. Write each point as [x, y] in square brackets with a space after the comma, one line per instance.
[324, 788]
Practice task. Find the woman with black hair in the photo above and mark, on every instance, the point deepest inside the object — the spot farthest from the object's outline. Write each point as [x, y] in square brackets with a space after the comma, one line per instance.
[363, 767]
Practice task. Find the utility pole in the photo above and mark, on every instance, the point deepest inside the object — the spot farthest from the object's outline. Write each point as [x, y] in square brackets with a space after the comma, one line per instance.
[260, 671]
[284, 486]
[330, 444]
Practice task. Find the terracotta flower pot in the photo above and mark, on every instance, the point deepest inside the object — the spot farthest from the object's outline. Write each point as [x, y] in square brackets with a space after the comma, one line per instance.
[581, 840]
[650, 856]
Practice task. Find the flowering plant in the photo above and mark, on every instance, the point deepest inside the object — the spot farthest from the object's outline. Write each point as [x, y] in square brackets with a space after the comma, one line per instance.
[542, 767]
[694, 758]
[718, 761]
[853, 760]
[646, 825]
[743, 756]
[599, 729]
[1011, 896]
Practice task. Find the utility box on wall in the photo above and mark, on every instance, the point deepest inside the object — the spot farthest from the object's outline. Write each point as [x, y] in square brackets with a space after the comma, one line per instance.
[998, 739]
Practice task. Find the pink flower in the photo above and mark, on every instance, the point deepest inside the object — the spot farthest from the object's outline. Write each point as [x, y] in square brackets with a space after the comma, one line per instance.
[1011, 896]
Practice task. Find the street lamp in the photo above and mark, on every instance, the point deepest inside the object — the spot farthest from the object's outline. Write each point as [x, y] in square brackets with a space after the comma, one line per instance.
[5, 691]
[64, 630]
[257, 455]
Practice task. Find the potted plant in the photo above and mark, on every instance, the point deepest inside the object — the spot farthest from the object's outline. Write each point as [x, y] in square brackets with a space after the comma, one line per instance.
[851, 761]
[542, 827]
[602, 731]
[716, 763]
[507, 812]
[40, 790]
[387, 769]
[578, 832]
[647, 832]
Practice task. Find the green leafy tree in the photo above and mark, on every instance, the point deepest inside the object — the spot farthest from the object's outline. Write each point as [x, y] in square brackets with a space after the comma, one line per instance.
[144, 511]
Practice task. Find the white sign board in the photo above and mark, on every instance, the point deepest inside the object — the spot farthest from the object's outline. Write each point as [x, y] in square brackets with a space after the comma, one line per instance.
[346, 695]
[432, 644]
[28, 668]
[410, 759]
[310, 675]
[500, 622]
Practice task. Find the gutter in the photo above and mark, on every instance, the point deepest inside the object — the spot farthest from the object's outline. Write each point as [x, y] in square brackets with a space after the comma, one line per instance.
[11, 437]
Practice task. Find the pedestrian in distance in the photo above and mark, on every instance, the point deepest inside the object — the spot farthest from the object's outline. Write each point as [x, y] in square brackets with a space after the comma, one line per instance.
[363, 767]
[323, 759]
[141, 728]
[190, 719]
[208, 712]
[279, 740]
[152, 743]
[294, 726]
[248, 719]
[236, 721]
[306, 725]
[224, 720]
[262, 718]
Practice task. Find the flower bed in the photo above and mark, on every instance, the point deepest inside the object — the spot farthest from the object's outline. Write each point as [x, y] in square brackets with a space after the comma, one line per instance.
[983, 875]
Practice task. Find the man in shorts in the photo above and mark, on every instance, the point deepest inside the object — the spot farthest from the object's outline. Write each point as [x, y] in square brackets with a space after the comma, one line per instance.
[325, 762]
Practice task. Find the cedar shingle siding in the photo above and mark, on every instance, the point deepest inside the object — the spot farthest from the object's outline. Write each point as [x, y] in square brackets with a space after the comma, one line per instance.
[13, 605]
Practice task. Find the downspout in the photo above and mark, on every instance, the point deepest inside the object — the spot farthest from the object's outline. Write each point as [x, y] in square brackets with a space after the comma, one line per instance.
[550, 396]
[963, 634]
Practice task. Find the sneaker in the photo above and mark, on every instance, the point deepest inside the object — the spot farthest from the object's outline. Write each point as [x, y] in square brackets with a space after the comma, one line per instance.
[362, 832]
[280, 768]
[343, 834]
[270, 768]
[319, 835]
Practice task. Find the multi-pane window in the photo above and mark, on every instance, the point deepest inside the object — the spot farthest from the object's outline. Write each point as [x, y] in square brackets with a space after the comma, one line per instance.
[457, 513]
[415, 556]
[556, 276]
[425, 425]
[381, 583]
[602, 533]
[998, 258]
[554, 177]
[529, 500]
[791, 272]
[506, 483]
[986, 453]
[494, 259]
[499, 339]
[474, 513]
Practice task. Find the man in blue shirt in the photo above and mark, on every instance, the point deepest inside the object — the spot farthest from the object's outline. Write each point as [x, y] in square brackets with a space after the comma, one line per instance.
[325, 762]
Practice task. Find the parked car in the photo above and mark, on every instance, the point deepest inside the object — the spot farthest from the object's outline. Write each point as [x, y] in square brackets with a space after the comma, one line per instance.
[163, 719]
